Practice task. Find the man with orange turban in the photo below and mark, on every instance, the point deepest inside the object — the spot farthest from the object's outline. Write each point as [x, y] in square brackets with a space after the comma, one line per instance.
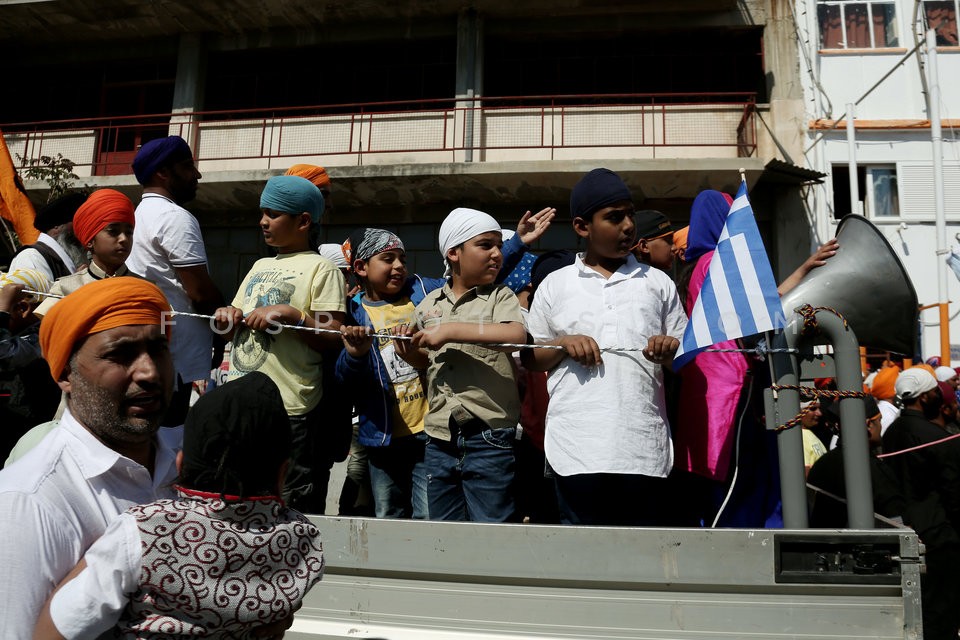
[883, 390]
[104, 226]
[106, 346]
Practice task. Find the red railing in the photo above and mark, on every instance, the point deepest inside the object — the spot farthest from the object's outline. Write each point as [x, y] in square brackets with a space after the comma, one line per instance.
[465, 130]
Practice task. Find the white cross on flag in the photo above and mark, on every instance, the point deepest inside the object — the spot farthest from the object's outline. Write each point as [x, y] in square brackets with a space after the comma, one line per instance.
[739, 295]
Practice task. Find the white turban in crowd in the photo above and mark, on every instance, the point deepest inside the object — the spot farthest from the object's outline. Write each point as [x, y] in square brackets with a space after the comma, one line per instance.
[461, 225]
[945, 373]
[912, 382]
[334, 253]
[30, 279]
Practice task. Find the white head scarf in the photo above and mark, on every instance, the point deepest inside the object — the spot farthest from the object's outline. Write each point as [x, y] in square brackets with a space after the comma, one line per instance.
[334, 253]
[944, 373]
[459, 226]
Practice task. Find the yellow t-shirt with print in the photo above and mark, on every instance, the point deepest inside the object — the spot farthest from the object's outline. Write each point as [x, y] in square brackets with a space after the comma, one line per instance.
[303, 280]
[406, 381]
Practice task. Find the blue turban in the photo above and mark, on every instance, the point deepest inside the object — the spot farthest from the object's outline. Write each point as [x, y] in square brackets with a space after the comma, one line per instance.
[157, 154]
[708, 215]
[292, 194]
[598, 189]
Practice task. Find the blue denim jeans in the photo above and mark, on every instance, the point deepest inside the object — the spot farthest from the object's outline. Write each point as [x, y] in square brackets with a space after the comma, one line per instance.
[471, 477]
[398, 477]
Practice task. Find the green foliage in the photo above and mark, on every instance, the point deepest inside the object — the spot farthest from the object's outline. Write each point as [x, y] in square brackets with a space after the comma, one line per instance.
[56, 171]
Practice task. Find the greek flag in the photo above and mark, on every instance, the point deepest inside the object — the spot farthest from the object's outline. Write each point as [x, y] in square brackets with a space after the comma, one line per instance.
[739, 295]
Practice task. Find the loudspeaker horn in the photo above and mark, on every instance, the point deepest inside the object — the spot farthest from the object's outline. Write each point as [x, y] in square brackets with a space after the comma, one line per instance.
[866, 282]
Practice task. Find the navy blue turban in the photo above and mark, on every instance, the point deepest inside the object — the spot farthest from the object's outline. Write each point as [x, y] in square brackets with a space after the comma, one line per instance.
[598, 189]
[294, 195]
[157, 154]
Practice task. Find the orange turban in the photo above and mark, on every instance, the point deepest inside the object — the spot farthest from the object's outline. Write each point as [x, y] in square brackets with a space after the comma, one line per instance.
[680, 238]
[95, 307]
[317, 175]
[883, 383]
[103, 207]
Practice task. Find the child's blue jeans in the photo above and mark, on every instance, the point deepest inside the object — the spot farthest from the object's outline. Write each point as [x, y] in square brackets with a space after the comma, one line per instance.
[471, 477]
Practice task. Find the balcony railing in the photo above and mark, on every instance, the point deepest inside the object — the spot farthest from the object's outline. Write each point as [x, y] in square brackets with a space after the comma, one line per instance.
[627, 126]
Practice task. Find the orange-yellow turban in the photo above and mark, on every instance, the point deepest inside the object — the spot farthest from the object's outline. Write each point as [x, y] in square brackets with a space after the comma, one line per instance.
[680, 238]
[317, 175]
[95, 307]
[103, 207]
[883, 383]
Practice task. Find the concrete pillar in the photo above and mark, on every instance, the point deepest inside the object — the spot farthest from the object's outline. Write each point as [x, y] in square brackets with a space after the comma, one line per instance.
[189, 87]
[469, 81]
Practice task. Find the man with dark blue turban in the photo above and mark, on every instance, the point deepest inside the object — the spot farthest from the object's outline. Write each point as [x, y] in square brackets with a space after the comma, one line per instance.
[168, 250]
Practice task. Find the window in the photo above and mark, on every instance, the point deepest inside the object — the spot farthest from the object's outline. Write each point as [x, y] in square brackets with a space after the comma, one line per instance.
[854, 24]
[878, 191]
[941, 16]
[883, 195]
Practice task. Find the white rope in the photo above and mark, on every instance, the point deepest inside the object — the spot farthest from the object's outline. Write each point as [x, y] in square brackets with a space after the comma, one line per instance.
[512, 345]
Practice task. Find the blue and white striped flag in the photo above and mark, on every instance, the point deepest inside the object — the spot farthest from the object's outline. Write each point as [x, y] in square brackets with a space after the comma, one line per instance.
[739, 295]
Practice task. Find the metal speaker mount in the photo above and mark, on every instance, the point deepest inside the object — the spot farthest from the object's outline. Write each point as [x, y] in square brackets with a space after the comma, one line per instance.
[866, 282]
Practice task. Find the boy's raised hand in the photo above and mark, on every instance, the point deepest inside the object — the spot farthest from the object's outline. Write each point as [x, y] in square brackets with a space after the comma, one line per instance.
[534, 225]
[583, 349]
[356, 340]
[661, 349]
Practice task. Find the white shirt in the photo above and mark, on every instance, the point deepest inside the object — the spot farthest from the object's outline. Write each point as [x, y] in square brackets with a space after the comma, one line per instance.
[33, 259]
[56, 501]
[612, 418]
[167, 237]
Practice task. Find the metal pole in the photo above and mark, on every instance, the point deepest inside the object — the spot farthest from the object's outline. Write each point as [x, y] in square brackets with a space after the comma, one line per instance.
[780, 408]
[853, 422]
[852, 161]
[936, 137]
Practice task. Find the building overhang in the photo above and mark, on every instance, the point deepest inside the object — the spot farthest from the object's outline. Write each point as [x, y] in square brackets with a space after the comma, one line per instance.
[402, 193]
[58, 21]
[780, 172]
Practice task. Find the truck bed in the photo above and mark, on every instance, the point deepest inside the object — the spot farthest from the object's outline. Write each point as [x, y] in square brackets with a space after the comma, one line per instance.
[401, 579]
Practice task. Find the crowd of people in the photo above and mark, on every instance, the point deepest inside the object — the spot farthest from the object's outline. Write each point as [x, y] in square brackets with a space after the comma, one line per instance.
[514, 387]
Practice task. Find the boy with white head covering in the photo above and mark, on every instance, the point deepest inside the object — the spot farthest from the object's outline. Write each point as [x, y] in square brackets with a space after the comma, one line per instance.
[471, 388]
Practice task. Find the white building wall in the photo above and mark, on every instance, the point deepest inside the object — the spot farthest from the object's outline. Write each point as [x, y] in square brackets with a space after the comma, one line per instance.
[835, 78]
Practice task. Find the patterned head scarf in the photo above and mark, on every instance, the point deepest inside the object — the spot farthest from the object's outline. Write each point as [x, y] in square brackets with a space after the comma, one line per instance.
[30, 279]
[365, 243]
[293, 195]
[103, 207]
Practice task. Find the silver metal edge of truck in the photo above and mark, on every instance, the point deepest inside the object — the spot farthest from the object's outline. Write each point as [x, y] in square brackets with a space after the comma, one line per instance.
[401, 580]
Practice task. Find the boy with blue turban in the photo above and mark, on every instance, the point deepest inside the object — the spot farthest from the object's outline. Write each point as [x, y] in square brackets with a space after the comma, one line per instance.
[296, 287]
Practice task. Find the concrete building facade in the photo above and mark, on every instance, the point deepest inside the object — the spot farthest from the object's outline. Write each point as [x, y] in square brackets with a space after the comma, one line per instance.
[419, 107]
[872, 54]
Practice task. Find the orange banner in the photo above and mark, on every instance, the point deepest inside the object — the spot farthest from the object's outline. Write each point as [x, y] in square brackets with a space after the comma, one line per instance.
[15, 206]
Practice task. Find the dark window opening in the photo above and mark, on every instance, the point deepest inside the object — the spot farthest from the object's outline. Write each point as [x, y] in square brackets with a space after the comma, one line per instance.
[699, 62]
[841, 189]
[414, 70]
